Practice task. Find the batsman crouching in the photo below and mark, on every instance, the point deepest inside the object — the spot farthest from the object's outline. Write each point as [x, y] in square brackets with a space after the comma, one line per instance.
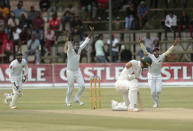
[127, 84]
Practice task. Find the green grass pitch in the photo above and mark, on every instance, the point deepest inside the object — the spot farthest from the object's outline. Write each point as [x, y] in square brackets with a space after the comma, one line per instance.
[45, 110]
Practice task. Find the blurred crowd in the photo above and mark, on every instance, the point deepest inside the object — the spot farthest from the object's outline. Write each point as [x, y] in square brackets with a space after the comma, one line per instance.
[29, 27]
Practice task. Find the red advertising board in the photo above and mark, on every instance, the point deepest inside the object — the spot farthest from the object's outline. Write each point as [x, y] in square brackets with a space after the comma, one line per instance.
[55, 74]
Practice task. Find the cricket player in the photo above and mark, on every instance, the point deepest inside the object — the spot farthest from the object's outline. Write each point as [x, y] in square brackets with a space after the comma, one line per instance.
[154, 71]
[73, 50]
[127, 84]
[18, 71]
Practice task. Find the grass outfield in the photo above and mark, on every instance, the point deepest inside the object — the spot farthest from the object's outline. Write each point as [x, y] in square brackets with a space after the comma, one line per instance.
[45, 110]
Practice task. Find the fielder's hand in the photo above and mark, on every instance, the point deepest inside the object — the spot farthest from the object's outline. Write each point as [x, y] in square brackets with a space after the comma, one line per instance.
[139, 39]
[176, 41]
[91, 28]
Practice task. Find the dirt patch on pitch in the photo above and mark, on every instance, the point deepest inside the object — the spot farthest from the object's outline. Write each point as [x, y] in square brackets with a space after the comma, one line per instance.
[160, 113]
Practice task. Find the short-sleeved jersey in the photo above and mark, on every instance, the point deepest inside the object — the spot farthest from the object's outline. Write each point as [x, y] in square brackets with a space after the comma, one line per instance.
[73, 59]
[17, 69]
[135, 69]
[99, 48]
[155, 68]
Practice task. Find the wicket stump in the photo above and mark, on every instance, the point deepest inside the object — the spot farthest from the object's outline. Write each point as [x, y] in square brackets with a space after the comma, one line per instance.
[96, 86]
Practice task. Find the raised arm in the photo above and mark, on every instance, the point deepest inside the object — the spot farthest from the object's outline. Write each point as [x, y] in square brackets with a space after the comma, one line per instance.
[86, 41]
[66, 42]
[142, 46]
[91, 31]
[172, 47]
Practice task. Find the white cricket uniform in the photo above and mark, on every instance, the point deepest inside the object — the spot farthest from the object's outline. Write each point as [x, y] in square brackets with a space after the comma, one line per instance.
[73, 70]
[127, 81]
[128, 77]
[73, 61]
[16, 72]
[154, 73]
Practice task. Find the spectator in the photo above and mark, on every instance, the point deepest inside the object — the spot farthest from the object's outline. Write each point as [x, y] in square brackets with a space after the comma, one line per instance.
[116, 6]
[125, 54]
[13, 22]
[184, 24]
[54, 24]
[77, 27]
[39, 34]
[94, 9]
[131, 15]
[24, 36]
[115, 48]
[38, 21]
[68, 17]
[31, 15]
[102, 5]
[170, 24]
[85, 6]
[16, 38]
[44, 5]
[23, 21]
[7, 48]
[33, 46]
[49, 39]
[4, 10]
[7, 3]
[19, 11]
[99, 47]
[142, 13]
[3, 36]
[2, 22]
[149, 43]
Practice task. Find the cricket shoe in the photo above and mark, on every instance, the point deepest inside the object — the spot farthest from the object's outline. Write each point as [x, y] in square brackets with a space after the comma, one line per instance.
[13, 107]
[155, 105]
[133, 109]
[68, 105]
[114, 103]
[76, 100]
[80, 102]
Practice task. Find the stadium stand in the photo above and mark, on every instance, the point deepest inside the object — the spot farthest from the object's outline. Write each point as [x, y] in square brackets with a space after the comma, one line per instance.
[126, 37]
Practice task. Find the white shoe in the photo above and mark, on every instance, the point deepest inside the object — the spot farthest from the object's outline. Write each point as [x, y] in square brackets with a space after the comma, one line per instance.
[68, 105]
[81, 103]
[133, 109]
[155, 105]
[13, 107]
[114, 103]
[78, 101]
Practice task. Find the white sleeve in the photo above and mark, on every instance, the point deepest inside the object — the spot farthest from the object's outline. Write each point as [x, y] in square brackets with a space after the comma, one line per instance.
[25, 68]
[86, 41]
[166, 22]
[169, 51]
[144, 49]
